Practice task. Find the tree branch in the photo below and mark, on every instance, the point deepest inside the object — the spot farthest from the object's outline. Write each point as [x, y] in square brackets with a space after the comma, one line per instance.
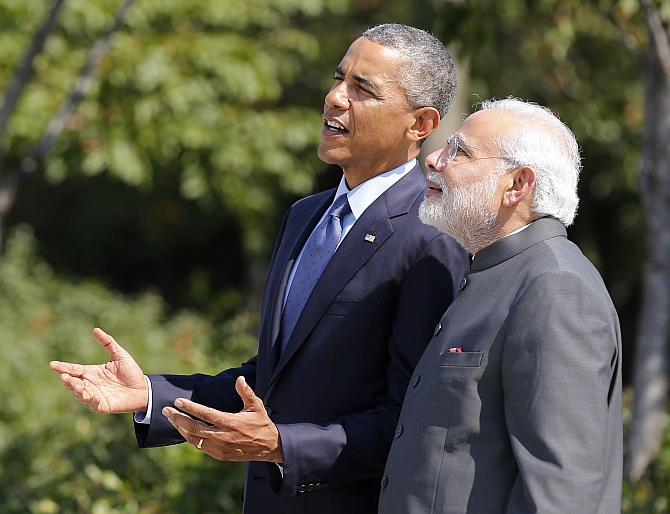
[24, 71]
[9, 184]
[82, 85]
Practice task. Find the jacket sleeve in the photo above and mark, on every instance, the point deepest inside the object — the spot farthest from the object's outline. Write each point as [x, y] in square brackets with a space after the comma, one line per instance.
[216, 391]
[561, 377]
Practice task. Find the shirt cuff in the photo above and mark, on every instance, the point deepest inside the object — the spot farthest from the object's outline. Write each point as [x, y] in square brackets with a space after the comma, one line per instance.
[144, 418]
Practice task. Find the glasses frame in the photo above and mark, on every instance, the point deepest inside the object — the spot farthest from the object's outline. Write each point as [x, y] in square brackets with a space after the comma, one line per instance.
[454, 143]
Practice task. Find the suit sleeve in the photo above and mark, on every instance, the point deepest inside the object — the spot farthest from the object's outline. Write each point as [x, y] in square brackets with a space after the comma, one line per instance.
[560, 379]
[355, 447]
[216, 391]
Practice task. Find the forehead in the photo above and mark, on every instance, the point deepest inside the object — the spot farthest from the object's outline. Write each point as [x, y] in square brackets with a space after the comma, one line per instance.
[370, 59]
[482, 126]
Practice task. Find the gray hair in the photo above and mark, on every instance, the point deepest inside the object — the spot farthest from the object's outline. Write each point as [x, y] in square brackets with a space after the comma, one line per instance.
[546, 144]
[429, 75]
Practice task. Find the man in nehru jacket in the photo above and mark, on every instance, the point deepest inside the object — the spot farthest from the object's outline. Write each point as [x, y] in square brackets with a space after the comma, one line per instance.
[355, 286]
[515, 407]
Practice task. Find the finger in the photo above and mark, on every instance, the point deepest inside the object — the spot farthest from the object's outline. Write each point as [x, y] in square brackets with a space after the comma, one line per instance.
[68, 381]
[190, 429]
[81, 395]
[115, 350]
[94, 404]
[79, 390]
[206, 414]
[181, 420]
[251, 401]
[59, 367]
[75, 370]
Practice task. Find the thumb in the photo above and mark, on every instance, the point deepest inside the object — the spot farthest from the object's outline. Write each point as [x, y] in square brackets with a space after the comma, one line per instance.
[115, 350]
[251, 401]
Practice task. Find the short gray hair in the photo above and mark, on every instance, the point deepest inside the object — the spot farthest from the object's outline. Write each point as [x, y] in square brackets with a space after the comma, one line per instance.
[546, 144]
[429, 75]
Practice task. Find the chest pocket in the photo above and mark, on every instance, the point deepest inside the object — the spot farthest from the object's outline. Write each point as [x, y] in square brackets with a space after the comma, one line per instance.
[352, 308]
[459, 375]
[461, 359]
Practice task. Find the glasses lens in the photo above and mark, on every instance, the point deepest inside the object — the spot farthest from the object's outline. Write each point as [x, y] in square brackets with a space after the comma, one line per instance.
[452, 145]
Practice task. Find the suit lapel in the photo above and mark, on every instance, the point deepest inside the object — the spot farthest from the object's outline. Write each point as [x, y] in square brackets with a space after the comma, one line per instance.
[354, 251]
[296, 231]
[351, 255]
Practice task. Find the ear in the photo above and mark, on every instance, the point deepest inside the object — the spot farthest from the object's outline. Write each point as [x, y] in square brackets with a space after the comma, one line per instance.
[523, 182]
[425, 122]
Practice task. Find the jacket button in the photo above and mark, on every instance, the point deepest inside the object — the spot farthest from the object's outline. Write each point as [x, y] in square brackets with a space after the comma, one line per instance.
[416, 380]
[398, 431]
[438, 328]
[268, 410]
[463, 283]
[385, 482]
[302, 489]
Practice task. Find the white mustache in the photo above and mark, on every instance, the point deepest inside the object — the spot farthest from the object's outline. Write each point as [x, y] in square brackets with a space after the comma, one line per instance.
[436, 178]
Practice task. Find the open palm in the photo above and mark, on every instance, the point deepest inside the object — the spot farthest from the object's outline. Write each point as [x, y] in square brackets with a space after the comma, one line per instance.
[114, 387]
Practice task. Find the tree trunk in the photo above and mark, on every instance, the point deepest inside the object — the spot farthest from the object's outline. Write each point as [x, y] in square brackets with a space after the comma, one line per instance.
[650, 374]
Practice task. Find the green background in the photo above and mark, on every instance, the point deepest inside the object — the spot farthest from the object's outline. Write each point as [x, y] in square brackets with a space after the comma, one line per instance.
[154, 214]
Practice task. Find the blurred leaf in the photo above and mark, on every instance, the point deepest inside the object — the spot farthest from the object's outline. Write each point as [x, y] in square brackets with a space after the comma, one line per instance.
[57, 456]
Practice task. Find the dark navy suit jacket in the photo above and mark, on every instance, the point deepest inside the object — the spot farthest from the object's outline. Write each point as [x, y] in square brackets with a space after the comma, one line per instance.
[336, 391]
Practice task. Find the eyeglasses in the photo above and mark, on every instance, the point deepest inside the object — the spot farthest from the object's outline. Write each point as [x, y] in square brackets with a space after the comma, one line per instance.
[454, 143]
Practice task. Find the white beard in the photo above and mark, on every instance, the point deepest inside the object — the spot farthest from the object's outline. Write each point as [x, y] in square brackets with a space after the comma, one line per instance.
[463, 212]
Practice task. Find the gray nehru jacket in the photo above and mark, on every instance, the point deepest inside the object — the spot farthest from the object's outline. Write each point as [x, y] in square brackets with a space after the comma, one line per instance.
[515, 406]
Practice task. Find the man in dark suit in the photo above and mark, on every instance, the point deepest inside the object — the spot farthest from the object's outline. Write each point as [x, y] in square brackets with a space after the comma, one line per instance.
[314, 413]
[515, 407]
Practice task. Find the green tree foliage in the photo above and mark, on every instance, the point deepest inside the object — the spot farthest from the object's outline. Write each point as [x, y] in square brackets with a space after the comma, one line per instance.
[203, 118]
[188, 88]
[59, 458]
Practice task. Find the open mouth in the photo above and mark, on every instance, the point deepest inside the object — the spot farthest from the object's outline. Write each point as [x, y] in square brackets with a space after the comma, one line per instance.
[333, 126]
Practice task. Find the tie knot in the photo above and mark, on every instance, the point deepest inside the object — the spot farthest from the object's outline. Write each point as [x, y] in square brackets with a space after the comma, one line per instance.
[340, 207]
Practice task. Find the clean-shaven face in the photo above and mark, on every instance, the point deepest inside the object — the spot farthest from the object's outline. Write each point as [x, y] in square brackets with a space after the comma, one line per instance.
[366, 114]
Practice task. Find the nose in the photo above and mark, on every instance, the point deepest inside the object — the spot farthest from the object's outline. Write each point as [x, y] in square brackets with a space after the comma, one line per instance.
[337, 97]
[433, 160]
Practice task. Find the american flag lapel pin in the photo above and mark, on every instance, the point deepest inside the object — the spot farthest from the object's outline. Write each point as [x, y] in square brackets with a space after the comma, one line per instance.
[370, 238]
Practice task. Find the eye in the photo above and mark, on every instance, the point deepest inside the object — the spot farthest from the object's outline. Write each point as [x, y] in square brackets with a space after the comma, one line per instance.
[361, 87]
[461, 148]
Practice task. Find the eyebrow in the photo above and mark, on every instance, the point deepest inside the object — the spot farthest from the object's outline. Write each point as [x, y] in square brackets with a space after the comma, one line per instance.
[358, 78]
[461, 138]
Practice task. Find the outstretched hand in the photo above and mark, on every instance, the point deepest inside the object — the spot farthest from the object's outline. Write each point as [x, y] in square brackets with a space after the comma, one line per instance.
[114, 387]
[243, 436]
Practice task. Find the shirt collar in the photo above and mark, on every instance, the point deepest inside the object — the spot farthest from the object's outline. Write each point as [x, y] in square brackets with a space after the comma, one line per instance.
[362, 196]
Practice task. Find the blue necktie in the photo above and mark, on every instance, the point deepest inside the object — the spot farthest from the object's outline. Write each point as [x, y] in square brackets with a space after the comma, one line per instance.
[317, 252]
